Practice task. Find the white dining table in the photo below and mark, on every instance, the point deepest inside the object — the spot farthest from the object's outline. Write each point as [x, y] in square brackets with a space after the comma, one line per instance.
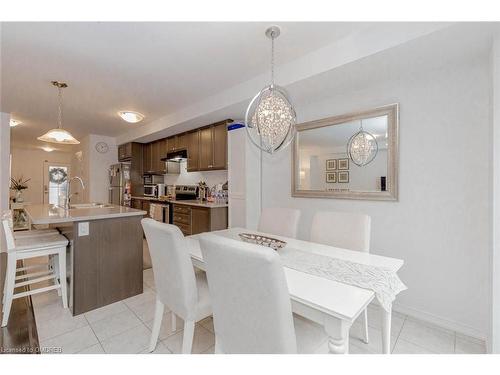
[332, 304]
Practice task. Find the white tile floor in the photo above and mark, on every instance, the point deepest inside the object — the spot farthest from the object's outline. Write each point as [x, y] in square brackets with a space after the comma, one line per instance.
[125, 327]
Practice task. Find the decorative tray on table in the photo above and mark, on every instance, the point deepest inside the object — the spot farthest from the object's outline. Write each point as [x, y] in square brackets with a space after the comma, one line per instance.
[258, 239]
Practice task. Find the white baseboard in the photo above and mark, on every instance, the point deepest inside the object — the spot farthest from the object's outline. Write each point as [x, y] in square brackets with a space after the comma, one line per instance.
[441, 322]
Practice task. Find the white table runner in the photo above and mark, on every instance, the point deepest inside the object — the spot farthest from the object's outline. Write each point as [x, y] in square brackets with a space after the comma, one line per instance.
[383, 282]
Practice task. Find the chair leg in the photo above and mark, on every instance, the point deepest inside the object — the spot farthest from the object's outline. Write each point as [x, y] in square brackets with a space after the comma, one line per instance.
[365, 313]
[155, 333]
[54, 264]
[10, 277]
[174, 321]
[62, 277]
[187, 339]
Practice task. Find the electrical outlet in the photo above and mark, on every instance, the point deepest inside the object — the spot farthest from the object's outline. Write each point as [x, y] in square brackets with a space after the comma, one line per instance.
[83, 229]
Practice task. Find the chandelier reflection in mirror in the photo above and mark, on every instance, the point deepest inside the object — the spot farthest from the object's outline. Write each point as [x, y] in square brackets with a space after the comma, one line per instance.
[362, 147]
[270, 117]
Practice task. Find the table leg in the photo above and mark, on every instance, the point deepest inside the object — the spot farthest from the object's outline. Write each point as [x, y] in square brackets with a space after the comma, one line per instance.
[386, 330]
[338, 335]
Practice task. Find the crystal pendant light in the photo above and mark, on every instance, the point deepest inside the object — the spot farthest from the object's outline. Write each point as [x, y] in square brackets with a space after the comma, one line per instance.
[362, 147]
[270, 117]
[59, 135]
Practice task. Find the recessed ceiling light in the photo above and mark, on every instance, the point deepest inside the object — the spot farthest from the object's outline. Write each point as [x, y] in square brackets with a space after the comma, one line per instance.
[131, 116]
[14, 122]
[47, 149]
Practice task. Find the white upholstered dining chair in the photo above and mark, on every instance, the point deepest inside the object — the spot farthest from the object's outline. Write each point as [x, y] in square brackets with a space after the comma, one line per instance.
[32, 244]
[250, 299]
[178, 287]
[279, 221]
[344, 230]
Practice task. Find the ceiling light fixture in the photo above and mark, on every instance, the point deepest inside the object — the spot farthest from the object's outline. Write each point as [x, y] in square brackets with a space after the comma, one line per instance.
[47, 149]
[13, 122]
[131, 116]
[270, 117]
[59, 135]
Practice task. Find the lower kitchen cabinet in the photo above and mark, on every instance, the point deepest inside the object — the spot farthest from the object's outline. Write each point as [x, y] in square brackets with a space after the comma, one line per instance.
[195, 219]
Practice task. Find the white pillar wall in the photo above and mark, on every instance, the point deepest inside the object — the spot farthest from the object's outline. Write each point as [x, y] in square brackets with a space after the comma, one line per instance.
[494, 342]
[4, 165]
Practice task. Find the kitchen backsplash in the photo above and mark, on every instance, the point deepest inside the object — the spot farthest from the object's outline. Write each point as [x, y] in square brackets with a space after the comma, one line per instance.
[192, 178]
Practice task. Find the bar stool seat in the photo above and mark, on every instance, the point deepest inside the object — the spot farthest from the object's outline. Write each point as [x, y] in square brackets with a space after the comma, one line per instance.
[32, 245]
[35, 233]
[40, 242]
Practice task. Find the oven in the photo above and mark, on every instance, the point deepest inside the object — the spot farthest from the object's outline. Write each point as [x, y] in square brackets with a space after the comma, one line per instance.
[151, 191]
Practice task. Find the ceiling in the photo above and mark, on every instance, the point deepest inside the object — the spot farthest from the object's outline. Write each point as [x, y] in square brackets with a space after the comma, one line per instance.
[152, 68]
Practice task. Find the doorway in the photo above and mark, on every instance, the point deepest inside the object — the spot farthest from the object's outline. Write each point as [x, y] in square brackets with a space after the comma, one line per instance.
[55, 182]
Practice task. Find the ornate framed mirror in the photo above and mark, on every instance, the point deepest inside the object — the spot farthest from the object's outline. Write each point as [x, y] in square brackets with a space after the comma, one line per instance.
[351, 156]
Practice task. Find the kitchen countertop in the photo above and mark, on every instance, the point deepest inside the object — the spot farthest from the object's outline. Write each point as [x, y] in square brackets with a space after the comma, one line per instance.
[51, 214]
[191, 202]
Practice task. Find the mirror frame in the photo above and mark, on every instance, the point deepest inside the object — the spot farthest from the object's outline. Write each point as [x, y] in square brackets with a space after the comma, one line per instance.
[391, 194]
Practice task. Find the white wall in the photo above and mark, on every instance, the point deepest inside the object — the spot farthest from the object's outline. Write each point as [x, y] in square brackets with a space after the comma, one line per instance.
[29, 163]
[92, 167]
[4, 160]
[494, 342]
[441, 225]
[4, 166]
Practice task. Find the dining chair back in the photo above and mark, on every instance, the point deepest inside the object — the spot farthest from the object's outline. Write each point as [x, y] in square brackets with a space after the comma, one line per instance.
[342, 229]
[345, 230]
[177, 285]
[250, 298]
[279, 221]
[172, 268]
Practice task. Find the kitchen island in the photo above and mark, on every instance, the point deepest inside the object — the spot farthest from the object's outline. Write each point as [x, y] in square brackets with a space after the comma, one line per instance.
[104, 259]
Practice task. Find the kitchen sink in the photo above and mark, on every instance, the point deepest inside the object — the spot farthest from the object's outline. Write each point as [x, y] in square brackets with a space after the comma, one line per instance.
[90, 205]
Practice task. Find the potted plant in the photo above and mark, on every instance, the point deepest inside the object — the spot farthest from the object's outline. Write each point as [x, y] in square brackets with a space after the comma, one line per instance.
[18, 185]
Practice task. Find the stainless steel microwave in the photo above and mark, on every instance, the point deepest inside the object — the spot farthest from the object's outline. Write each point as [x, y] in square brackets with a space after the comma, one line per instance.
[151, 179]
[150, 190]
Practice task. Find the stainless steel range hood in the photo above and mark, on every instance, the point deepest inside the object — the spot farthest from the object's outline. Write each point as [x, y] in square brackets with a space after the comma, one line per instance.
[176, 156]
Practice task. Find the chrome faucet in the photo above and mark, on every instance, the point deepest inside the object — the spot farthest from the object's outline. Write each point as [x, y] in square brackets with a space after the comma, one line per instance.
[68, 192]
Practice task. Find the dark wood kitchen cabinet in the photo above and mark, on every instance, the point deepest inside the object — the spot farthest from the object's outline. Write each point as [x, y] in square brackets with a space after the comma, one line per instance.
[199, 219]
[219, 135]
[193, 150]
[213, 147]
[125, 152]
[147, 157]
[171, 143]
[206, 149]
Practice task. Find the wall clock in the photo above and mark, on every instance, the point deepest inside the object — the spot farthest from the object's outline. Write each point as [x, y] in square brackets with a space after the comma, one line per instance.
[102, 147]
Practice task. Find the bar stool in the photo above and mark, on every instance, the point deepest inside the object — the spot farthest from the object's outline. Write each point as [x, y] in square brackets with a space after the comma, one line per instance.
[30, 245]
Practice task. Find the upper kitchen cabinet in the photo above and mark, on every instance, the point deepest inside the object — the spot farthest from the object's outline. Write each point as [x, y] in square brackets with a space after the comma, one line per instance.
[147, 158]
[193, 149]
[170, 143]
[219, 134]
[213, 147]
[206, 149]
[157, 164]
[125, 152]
[181, 141]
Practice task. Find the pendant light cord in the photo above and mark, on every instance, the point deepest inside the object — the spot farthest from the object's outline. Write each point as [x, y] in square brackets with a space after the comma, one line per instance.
[60, 107]
[272, 60]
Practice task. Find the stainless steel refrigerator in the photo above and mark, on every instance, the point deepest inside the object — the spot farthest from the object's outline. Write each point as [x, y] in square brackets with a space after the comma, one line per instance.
[119, 184]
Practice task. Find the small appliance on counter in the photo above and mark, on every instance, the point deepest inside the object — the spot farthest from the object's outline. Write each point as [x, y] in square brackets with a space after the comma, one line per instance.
[151, 179]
